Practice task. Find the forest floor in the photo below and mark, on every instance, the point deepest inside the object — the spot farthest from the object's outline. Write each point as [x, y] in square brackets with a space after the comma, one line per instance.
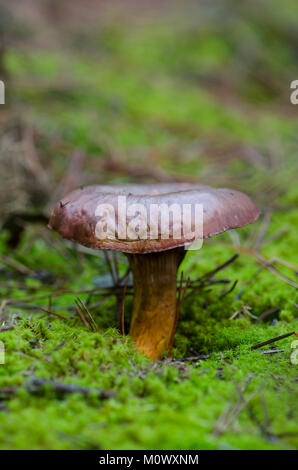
[164, 98]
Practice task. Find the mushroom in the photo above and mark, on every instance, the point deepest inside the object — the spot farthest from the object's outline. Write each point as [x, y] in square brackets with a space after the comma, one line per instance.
[120, 217]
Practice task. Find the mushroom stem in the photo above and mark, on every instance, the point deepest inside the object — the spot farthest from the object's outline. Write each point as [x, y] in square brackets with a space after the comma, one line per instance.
[154, 302]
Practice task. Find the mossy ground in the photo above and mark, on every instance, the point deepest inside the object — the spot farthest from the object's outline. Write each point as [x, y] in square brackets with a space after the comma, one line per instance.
[140, 93]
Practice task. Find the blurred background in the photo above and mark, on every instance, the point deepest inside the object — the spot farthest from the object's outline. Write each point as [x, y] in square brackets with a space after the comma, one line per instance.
[122, 91]
[100, 91]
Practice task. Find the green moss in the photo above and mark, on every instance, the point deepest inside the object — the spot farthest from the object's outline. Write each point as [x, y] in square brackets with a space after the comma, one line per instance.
[148, 402]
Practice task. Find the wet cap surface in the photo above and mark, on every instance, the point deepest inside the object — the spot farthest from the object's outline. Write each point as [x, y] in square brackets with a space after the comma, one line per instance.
[80, 215]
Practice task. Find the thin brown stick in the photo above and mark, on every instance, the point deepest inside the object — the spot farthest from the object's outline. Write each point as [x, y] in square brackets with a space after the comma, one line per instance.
[272, 351]
[37, 307]
[267, 263]
[16, 265]
[220, 267]
[88, 313]
[228, 291]
[110, 290]
[8, 392]
[275, 259]
[192, 358]
[281, 276]
[6, 328]
[78, 310]
[267, 313]
[273, 340]
[38, 386]
[49, 312]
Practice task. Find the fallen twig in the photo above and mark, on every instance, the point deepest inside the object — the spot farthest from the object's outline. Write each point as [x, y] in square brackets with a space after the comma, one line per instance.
[229, 290]
[192, 358]
[78, 310]
[221, 267]
[38, 386]
[19, 304]
[245, 310]
[273, 340]
[267, 313]
[267, 264]
[281, 276]
[16, 265]
[49, 312]
[83, 307]
[8, 392]
[6, 328]
[272, 351]
[110, 290]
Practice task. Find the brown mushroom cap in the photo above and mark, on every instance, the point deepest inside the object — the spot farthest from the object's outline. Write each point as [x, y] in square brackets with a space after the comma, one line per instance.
[223, 209]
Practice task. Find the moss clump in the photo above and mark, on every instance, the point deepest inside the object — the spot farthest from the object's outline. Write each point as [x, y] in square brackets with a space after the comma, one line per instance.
[149, 400]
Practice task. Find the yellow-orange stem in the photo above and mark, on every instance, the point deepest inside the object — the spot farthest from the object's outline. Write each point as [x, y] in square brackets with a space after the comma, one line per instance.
[154, 302]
